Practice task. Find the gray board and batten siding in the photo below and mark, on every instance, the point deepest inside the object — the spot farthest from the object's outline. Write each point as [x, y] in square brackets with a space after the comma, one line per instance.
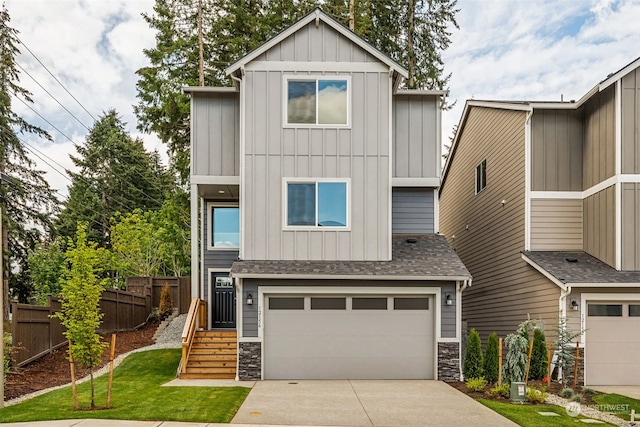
[416, 136]
[412, 211]
[251, 286]
[490, 235]
[215, 130]
[556, 150]
[358, 152]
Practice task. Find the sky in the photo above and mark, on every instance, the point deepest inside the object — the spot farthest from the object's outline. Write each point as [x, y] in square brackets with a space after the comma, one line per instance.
[538, 50]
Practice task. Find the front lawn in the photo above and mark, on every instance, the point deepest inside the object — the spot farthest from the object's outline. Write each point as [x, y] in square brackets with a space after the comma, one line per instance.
[528, 416]
[620, 406]
[137, 395]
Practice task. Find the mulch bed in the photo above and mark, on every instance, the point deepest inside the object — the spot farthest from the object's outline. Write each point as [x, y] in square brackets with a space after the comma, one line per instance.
[54, 370]
[554, 388]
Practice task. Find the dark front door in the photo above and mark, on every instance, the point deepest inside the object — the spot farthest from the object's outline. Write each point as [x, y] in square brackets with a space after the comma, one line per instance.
[223, 305]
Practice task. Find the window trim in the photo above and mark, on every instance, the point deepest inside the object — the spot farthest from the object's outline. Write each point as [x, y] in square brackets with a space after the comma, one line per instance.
[285, 203]
[316, 77]
[210, 206]
[479, 169]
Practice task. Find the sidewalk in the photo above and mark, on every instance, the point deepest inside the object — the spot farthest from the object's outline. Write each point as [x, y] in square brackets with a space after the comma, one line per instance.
[118, 423]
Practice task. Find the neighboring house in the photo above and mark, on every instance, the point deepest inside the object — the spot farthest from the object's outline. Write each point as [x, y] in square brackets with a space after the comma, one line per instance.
[313, 186]
[541, 201]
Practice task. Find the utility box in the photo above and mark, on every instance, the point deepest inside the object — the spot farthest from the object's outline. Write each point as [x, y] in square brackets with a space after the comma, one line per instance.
[518, 392]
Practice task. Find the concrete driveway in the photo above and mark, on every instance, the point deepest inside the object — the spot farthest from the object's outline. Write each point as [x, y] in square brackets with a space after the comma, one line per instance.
[363, 403]
[632, 391]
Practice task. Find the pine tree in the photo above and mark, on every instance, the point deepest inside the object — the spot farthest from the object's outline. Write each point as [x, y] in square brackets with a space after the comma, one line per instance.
[116, 174]
[491, 359]
[538, 364]
[472, 367]
[27, 201]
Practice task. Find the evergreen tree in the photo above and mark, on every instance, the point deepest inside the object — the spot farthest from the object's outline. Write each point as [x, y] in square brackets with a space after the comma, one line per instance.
[46, 267]
[27, 202]
[538, 364]
[472, 367]
[115, 174]
[491, 359]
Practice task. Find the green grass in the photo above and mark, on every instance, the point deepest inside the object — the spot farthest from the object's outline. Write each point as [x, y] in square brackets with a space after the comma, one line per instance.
[137, 395]
[616, 400]
[528, 416]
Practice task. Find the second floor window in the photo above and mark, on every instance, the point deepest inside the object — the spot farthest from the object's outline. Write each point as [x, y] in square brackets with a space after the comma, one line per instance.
[316, 204]
[225, 227]
[321, 102]
[481, 176]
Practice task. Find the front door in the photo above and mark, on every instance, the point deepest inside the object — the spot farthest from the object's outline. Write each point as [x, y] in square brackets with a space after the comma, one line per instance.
[223, 304]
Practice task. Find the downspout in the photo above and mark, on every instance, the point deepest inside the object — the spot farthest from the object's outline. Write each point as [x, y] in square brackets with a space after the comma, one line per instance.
[562, 301]
[459, 290]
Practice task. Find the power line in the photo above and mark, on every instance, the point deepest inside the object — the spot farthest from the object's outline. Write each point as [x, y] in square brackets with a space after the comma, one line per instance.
[54, 98]
[43, 118]
[56, 79]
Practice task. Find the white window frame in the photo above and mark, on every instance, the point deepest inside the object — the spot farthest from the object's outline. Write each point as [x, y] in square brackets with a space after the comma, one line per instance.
[210, 206]
[285, 207]
[477, 172]
[316, 77]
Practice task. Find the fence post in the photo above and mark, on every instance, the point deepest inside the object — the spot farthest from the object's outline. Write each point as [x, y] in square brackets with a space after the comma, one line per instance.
[49, 298]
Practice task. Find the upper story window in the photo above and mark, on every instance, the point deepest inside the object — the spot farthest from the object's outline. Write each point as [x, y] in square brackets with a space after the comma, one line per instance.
[224, 226]
[317, 102]
[481, 176]
[314, 204]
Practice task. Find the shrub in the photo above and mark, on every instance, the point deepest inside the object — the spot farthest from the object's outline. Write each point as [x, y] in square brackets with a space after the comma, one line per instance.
[566, 392]
[472, 367]
[476, 384]
[537, 396]
[491, 357]
[566, 348]
[587, 390]
[6, 343]
[501, 390]
[517, 352]
[166, 302]
[538, 367]
[576, 398]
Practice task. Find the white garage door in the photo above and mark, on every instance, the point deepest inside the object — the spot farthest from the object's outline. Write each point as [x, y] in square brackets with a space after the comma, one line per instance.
[613, 343]
[348, 337]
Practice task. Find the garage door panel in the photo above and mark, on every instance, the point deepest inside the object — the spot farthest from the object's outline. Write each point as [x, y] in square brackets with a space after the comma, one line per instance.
[354, 344]
[612, 347]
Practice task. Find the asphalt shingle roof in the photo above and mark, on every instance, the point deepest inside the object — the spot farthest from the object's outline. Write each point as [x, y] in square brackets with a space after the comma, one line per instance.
[580, 267]
[429, 256]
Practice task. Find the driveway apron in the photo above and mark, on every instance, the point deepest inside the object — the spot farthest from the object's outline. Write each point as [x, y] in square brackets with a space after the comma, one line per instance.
[363, 403]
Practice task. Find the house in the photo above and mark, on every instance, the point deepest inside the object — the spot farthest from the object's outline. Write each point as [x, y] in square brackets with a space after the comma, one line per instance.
[541, 201]
[313, 184]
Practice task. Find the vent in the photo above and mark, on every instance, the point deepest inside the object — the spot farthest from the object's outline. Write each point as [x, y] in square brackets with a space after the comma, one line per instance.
[571, 259]
[412, 240]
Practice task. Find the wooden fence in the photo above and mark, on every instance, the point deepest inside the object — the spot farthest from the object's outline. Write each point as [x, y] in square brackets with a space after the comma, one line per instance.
[152, 287]
[35, 333]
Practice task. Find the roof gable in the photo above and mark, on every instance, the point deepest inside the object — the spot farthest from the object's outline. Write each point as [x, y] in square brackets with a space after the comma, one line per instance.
[315, 18]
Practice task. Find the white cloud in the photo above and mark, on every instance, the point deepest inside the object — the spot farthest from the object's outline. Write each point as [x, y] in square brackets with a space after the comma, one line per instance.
[505, 49]
[537, 50]
[94, 48]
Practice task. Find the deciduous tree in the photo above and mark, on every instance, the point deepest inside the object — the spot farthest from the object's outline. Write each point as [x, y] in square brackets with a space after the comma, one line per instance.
[81, 291]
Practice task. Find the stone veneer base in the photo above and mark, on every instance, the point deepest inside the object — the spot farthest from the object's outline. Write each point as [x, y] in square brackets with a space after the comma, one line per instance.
[249, 361]
[449, 361]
